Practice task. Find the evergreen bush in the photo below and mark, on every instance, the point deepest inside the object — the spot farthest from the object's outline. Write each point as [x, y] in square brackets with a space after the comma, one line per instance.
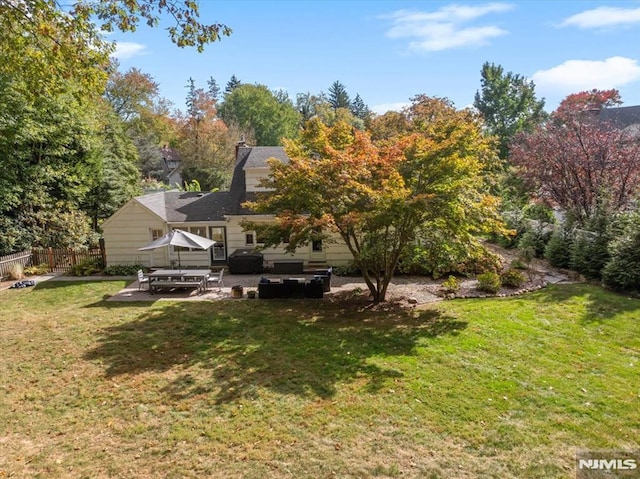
[558, 250]
[622, 271]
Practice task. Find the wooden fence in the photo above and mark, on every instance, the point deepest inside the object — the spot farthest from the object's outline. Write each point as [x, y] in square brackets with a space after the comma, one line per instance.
[56, 259]
[7, 263]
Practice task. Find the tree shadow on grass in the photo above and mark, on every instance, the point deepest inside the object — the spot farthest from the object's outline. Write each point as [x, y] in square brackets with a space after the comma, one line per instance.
[233, 349]
[599, 304]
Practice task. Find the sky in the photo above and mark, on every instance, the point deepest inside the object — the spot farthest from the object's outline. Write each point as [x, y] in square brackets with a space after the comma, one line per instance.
[390, 51]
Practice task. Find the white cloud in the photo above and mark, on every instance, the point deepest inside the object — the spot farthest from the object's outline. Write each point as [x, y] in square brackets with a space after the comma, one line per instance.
[602, 17]
[444, 28]
[574, 76]
[382, 108]
[126, 50]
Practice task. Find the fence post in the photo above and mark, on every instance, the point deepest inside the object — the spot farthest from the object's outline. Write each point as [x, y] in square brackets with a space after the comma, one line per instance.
[103, 252]
[52, 264]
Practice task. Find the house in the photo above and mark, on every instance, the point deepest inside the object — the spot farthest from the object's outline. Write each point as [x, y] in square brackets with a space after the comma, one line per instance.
[215, 215]
[171, 166]
[623, 118]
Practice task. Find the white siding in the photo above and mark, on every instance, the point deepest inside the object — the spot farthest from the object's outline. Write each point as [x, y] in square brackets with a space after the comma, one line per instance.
[335, 253]
[129, 229]
[253, 177]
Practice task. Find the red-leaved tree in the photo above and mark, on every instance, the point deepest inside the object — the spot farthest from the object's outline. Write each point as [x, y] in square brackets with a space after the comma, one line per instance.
[579, 162]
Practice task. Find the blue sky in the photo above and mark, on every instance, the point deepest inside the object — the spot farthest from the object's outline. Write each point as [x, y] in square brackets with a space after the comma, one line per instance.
[390, 51]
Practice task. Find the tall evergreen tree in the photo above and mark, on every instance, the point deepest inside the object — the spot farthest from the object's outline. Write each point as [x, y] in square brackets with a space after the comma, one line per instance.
[232, 84]
[360, 109]
[338, 96]
[214, 89]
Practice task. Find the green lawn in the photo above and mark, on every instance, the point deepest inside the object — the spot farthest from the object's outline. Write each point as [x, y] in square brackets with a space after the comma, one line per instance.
[491, 388]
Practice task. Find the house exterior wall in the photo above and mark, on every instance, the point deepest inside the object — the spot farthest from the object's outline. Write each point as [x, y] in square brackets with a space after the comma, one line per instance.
[129, 229]
[334, 251]
[253, 177]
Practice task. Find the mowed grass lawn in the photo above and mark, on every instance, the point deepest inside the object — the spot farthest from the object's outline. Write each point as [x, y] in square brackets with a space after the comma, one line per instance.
[490, 388]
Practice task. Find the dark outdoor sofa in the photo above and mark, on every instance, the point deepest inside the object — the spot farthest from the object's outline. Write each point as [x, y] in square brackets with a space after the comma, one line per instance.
[290, 288]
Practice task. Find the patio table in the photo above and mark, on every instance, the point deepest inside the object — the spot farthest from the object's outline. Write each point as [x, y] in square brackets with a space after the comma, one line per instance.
[178, 278]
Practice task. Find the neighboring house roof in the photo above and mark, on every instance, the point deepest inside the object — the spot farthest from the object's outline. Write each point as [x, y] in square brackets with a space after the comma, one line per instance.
[621, 117]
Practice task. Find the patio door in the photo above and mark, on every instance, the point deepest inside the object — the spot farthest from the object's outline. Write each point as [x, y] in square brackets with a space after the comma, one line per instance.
[218, 250]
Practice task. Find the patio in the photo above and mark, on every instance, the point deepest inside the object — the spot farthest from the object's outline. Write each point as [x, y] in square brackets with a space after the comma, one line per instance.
[247, 281]
[417, 287]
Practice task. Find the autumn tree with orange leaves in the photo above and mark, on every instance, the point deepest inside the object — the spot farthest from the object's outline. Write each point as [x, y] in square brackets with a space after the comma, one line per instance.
[378, 196]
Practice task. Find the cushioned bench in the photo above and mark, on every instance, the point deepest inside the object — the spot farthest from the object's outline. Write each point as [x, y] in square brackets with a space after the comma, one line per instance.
[290, 288]
[199, 285]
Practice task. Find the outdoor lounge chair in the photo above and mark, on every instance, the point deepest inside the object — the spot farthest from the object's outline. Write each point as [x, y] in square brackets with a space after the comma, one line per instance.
[142, 279]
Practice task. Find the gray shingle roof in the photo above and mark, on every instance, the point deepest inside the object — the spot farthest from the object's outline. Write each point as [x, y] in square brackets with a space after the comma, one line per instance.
[183, 206]
[621, 117]
[259, 155]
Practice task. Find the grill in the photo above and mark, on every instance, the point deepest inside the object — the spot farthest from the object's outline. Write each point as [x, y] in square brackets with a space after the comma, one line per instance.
[245, 261]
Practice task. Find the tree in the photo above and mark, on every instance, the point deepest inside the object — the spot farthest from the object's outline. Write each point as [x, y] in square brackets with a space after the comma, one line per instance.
[260, 113]
[47, 146]
[232, 84]
[206, 149]
[308, 105]
[46, 40]
[389, 125]
[585, 104]
[113, 176]
[623, 269]
[508, 104]
[214, 89]
[579, 163]
[377, 197]
[130, 93]
[338, 96]
[360, 109]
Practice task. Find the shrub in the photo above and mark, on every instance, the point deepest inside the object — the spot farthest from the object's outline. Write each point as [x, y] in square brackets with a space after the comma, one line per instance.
[489, 282]
[558, 250]
[622, 271]
[437, 256]
[590, 253]
[85, 268]
[42, 268]
[451, 284]
[16, 272]
[536, 240]
[349, 269]
[518, 263]
[512, 278]
[123, 269]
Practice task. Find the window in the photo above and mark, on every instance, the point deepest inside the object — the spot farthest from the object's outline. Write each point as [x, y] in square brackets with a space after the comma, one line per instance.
[316, 246]
[196, 230]
[248, 239]
[156, 234]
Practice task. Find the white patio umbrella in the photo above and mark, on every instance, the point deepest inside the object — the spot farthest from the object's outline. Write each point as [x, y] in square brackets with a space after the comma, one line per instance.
[180, 238]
